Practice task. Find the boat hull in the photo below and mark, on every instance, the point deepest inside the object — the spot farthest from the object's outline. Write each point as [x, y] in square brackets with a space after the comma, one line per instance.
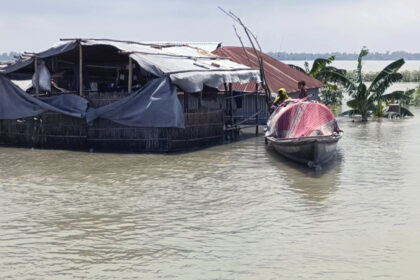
[313, 151]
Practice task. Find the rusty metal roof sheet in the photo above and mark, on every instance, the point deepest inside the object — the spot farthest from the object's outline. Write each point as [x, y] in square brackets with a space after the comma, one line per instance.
[278, 74]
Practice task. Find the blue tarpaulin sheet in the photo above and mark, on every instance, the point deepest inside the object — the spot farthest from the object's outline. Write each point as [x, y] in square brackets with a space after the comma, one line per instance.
[16, 103]
[154, 105]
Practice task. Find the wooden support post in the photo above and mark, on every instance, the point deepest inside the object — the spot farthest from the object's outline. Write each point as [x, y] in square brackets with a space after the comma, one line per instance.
[185, 102]
[36, 76]
[80, 70]
[231, 111]
[256, 109]
[130, 74]
[226, 101]
[226, 110]
[200, 99]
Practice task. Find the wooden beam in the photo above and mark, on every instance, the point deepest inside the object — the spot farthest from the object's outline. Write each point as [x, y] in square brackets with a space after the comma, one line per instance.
[130, 74]
[80, 70]
[36, 76]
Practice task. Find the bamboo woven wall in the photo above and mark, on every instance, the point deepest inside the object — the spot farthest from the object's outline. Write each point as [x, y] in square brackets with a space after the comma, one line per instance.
[201, 129]
[218, 102]
[55, 130]
[248, 109]
[50, 130]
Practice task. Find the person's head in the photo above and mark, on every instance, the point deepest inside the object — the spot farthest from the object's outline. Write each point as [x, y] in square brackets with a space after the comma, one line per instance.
[301, 84]
[282, 91]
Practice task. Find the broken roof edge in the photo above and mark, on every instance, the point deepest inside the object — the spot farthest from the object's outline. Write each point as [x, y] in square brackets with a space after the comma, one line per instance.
[208, 46]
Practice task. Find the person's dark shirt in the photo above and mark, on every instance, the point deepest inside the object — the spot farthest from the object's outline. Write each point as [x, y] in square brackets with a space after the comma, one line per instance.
[303, 93]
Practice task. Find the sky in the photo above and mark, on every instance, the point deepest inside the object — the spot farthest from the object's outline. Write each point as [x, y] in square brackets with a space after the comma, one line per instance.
[289, 26]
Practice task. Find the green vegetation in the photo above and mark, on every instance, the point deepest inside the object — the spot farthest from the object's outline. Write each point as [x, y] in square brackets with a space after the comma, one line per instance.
[410, 97]
[366, 99]
[402, 97]
[415, 98]
[321, 69]
[331, 95]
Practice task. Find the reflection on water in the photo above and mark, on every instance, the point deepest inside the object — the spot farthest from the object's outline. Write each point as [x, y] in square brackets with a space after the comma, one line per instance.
[315, 186]
[237, 211]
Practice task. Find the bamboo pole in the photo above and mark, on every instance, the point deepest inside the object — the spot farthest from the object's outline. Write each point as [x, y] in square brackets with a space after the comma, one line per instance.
[36, 76]
[130, 74]
[252, 38]
[80, 70]
[256, 109]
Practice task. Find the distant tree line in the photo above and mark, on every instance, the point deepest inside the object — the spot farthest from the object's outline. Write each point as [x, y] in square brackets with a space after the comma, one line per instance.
[407, 76]
[10, 56]
[345, 56]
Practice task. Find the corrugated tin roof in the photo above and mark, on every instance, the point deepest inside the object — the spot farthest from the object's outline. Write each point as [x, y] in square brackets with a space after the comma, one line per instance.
[278, 74]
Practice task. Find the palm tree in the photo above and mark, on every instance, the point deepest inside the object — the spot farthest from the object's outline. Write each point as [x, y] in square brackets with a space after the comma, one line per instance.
[367, 98]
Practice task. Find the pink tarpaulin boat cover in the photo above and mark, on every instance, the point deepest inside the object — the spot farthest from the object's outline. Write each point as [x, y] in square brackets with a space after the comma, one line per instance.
[295, 118]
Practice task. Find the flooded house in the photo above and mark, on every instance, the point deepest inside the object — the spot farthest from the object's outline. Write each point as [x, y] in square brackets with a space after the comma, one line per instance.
[119, 95]
[277, 74]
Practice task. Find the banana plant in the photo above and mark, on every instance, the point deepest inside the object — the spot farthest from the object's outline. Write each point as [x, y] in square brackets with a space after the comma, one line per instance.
[320, 69]
[369, 98]
[403, 97]
[364, 98]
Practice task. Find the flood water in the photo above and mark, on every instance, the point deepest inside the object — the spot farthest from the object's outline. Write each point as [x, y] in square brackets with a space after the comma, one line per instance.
[237, 211]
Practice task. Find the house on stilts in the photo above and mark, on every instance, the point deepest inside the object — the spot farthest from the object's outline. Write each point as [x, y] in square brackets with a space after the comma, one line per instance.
[119, 95]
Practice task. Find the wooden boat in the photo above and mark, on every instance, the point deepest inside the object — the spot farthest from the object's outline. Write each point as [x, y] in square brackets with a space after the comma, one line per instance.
[313, 151]
[305, 132]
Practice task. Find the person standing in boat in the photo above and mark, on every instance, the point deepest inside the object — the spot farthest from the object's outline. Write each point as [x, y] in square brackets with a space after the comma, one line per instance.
[302, 90]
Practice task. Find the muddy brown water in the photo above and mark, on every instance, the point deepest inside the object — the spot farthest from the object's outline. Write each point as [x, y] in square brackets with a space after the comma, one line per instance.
[237, 211]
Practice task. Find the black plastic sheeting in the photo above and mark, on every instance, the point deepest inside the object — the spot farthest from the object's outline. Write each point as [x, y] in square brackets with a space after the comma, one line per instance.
[154, 105]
